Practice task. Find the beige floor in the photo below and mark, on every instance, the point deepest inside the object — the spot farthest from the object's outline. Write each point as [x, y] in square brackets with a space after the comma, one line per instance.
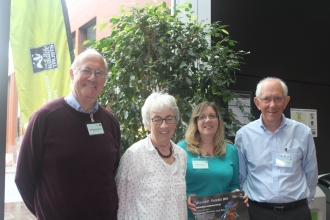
[17, 211]
[14, 206]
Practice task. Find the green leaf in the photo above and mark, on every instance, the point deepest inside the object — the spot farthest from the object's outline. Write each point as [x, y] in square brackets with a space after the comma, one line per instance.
[224, 31]
[188, 81]
[103, 26]
[86, 42]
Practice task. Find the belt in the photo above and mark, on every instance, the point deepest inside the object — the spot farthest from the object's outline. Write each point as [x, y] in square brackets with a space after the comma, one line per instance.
[281, 207]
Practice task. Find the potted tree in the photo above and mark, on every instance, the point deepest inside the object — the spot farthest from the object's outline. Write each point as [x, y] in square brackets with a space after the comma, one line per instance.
[151, 49]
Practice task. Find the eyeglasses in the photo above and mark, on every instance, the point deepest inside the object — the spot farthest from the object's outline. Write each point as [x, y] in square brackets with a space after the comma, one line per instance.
[277, 99]
[87, 72]
[158, 120]
[210, 116]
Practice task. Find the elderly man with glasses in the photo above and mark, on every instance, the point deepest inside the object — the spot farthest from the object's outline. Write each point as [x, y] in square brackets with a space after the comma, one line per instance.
[277, 158]
[71, 150]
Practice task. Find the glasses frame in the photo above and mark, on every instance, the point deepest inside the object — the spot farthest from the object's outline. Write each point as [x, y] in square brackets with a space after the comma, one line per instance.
[272, 99]
[97, 76]
[164, 119]
[206, 117]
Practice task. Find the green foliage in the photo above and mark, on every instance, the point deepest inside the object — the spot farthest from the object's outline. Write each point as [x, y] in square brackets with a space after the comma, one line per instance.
[150, 49]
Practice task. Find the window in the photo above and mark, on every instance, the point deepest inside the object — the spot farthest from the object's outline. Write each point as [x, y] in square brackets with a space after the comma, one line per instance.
[87, 32]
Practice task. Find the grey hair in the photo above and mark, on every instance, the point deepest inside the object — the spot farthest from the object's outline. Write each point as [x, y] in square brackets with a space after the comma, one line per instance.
[85, 53]
[159, 101]
[258, 90]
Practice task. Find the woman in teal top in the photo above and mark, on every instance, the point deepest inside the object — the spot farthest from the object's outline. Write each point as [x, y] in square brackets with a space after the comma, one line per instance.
[205, 141]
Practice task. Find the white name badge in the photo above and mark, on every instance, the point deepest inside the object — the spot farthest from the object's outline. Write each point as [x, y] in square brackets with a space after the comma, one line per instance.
[95, 128]
[283, 161]
[200, 163]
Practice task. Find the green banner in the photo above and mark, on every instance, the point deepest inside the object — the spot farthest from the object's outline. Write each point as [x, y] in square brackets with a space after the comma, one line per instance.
[41, 43]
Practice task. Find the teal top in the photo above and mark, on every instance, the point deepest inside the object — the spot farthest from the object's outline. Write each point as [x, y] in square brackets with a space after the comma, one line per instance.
[220, 177]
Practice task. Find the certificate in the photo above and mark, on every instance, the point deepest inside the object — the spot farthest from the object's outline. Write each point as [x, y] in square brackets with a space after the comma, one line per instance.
[221, 207]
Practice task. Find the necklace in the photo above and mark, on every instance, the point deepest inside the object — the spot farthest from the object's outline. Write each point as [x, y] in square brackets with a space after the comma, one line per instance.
[164, 155]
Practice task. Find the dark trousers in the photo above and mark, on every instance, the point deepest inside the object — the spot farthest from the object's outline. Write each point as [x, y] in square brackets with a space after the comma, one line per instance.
[259, 213]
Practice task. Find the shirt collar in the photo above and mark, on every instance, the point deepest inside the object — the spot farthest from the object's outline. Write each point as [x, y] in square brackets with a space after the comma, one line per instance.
[72, 101]
[283, 123]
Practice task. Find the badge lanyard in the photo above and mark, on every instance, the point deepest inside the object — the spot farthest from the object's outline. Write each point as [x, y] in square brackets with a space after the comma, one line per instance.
[284, 160]
[94, 128]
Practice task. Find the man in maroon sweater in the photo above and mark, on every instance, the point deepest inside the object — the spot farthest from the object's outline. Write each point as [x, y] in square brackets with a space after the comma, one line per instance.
[71, 150]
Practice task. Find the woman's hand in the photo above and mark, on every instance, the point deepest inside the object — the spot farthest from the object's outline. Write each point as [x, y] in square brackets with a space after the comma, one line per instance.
[191, 206]
[245, 198]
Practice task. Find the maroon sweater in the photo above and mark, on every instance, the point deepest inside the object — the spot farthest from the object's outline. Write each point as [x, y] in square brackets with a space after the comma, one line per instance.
[62, 171]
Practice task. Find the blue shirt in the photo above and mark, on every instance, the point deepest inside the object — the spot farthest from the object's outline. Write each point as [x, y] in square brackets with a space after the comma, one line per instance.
[72, 101]
[261, 178]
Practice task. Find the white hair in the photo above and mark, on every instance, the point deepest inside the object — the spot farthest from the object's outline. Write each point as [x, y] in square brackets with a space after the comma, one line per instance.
[159, 101]
[258, 90]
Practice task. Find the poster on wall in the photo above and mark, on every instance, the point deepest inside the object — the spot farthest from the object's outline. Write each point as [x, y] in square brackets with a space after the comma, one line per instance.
[307, 117]
[245, 99]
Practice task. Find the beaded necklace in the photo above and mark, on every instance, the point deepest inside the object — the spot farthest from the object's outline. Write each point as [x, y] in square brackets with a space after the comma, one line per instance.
[165, 156]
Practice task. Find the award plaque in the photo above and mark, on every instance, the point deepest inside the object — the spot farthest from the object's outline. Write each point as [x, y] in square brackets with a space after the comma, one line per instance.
[221, 207]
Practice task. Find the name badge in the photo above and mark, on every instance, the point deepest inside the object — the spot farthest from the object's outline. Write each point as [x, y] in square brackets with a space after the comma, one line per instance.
[95, 128]
[283, 161]
[200, 163]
